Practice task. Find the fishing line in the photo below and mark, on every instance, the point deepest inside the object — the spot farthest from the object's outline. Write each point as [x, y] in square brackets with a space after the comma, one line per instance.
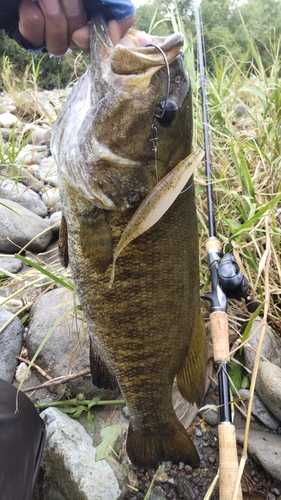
[201, 57]
[186, 189]
[154, 139]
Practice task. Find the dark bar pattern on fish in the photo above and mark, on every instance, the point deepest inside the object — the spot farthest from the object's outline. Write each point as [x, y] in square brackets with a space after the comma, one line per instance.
[147, 328]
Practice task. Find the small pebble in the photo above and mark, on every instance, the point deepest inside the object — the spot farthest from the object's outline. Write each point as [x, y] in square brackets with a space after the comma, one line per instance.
[188, 469]
[198, 433]
[20, 372]
[270, 496]
[214, 444]
[212, 459]
[162, 477]
[169, 465]
[132, 478]
[172, 495]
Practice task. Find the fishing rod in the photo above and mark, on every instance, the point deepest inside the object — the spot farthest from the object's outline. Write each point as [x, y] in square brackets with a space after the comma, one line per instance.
[227, 280]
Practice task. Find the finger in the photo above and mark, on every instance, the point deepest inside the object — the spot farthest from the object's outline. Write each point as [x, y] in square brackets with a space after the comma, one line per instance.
[31, 23]
[81, 38]
[117, 30]
[56, 38]
[74, 14]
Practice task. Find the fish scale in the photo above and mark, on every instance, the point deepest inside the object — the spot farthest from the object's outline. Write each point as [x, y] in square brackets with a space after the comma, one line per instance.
[147, 328]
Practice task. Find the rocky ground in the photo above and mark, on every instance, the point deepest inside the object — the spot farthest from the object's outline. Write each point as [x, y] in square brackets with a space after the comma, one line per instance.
[30, 212]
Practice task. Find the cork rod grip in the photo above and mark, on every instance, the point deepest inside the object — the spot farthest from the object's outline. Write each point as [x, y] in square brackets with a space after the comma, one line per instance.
[228, 462]
[219, 332]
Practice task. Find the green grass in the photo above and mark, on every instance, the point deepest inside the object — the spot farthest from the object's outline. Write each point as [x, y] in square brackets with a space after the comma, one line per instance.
[246, 168]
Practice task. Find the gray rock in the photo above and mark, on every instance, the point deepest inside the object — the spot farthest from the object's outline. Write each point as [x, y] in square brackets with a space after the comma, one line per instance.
[260, 411]
[265, 448]
[55, 208]
[184, 489]
[209, 413]
[271, 348]
[6, 133]
[6, 103]
[8, 120]
[51, 197]
[27, 198]
[157, 493]
[12, 305]
[21, 226]
[30, 155]
[10, 345]
[70, 458]
[240, 109]
[10, 264]
[67, 350]
[268, 387]
[48, 171]
[55, 219]
[40, 136]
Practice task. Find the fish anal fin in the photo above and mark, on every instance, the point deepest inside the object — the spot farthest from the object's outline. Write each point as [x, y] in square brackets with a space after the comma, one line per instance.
[149, 450]
[191, 378]
[63, 243]
[96, 240]
[101, 375]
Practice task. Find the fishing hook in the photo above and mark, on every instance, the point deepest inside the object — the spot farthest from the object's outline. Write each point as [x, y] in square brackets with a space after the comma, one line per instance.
[168, 78]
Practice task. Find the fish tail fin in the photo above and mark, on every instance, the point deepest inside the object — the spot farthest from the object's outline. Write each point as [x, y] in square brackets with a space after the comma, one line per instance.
[191, 378]
[149, 450]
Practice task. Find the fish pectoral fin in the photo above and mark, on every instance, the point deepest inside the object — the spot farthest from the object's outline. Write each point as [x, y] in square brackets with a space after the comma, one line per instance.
[191, 378]
[63, 243]
[149, 450]
[101, 375]
[96, 240]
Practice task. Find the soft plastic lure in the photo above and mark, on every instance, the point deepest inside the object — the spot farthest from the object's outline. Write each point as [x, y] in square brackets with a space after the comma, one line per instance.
[157, 203]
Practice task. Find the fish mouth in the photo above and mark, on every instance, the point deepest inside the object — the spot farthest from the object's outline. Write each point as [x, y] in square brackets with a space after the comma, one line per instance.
[138, 52]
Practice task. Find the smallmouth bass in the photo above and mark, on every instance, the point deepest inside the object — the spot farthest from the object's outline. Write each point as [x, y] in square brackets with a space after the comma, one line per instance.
[126, 215]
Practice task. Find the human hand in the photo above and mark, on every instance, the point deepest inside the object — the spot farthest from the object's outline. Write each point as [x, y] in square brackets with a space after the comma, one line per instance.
[116, 31]
[62, 24]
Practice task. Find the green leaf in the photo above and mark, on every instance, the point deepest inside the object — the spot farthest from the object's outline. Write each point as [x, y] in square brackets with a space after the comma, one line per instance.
[24, 318]
[257, 215]
[236, 374]
[109, 436]
[94, 401]
[67, 409]
[78, 412]
[90, 420]
[245, 384]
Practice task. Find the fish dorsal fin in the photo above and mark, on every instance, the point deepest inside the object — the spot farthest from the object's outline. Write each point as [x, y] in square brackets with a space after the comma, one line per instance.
[157, 203]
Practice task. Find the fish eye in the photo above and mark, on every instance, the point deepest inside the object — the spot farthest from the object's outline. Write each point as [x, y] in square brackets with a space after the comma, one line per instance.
[170, 112]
